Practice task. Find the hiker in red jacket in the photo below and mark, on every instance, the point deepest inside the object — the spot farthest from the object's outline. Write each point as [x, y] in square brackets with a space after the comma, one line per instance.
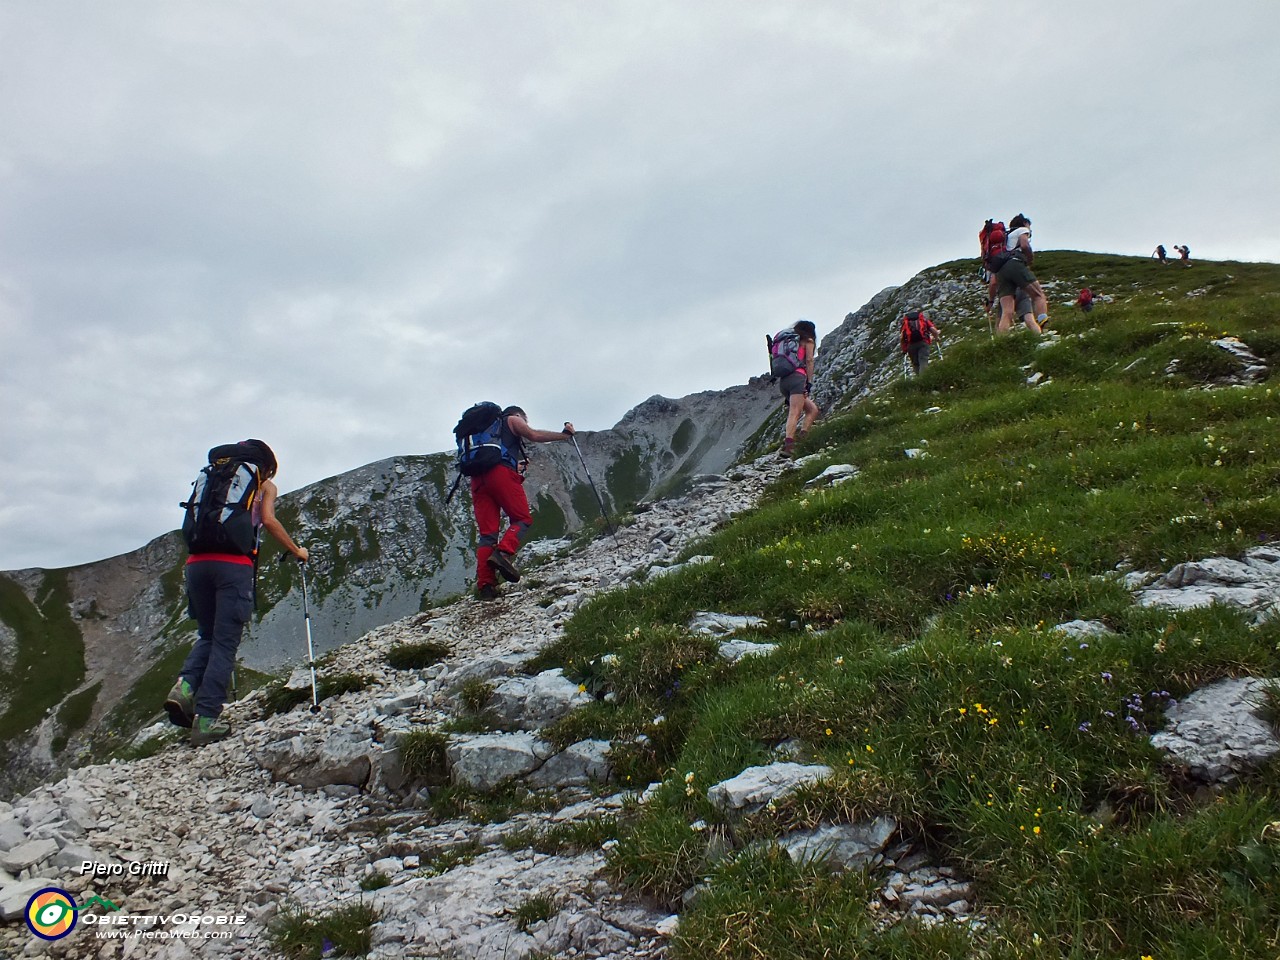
[1085, 300]
[918, 334]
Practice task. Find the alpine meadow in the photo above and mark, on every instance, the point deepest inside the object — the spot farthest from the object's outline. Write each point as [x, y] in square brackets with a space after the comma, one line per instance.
[914, 608]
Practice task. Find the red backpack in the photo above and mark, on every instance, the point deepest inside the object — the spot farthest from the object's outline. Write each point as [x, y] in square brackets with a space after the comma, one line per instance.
[993, 238]
[915, 328]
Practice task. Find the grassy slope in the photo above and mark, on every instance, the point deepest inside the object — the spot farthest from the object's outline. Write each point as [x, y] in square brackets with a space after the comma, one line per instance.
[49, 659]
[924, 670]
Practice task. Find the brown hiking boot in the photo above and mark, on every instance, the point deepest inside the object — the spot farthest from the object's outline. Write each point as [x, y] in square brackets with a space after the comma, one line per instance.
[501, 562]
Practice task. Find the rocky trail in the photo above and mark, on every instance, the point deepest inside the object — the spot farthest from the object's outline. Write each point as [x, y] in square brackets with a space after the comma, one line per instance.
[301, 807]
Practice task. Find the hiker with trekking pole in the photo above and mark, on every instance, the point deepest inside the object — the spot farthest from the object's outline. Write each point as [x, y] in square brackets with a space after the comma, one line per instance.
[491, 453]
[232, 501]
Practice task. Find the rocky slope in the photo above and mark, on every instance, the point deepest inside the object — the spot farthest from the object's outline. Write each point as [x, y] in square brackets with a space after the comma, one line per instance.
[306, 806]
[383, 542]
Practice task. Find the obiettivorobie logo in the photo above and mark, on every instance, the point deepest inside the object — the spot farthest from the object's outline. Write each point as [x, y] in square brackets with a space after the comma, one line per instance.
[52, 912]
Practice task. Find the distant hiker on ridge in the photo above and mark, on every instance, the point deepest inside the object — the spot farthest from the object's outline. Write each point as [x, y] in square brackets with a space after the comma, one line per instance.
[1016, 273]
[917, 337]
[1184, 252]
[791, 354]
[1160, 254]
[491, 453]
[232, 500]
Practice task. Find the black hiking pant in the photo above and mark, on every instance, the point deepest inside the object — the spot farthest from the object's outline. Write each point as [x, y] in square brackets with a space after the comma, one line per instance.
[220, 600]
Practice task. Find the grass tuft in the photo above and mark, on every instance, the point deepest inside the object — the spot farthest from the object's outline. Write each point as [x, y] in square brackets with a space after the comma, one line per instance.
[417, 656]
[302, 934]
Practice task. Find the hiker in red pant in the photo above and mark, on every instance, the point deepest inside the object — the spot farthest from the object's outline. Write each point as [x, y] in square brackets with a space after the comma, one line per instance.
[499, 490]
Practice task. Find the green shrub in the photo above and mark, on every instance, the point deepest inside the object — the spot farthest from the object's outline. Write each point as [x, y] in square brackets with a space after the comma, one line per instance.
[474, 694]
[561, 838]
[443, 860]
[417, 656]
[281, 699]
[374, 881]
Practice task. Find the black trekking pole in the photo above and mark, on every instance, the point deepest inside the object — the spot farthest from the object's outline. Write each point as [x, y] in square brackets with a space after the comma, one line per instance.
[311, 653]
[604, 514]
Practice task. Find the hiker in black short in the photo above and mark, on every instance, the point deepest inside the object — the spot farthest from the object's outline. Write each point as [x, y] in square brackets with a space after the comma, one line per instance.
[1016, 274]
[796, 386]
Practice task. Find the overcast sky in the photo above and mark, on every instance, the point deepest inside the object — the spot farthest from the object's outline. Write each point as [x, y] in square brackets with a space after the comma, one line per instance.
[334, 225]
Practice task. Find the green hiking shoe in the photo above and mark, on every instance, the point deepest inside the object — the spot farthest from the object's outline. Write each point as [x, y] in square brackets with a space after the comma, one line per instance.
[180, 704]
[205, 730]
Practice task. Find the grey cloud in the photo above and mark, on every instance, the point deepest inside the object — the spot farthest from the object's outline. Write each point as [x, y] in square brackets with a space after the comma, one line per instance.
[332, 226]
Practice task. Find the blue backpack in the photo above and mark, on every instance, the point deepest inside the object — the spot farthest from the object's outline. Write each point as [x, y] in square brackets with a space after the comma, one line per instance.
[481, 437]
[219, 513]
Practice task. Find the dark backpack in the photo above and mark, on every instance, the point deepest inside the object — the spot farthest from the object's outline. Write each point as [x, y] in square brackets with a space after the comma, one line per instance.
[994, 238]
[481, 437]
[219, 514]
[914, 328]
[784, 353]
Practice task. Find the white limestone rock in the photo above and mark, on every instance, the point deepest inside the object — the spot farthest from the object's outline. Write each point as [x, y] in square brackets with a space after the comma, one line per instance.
[723, 624]
[488, 760]
[755, 787]
[1219, 731]
[846, 846]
